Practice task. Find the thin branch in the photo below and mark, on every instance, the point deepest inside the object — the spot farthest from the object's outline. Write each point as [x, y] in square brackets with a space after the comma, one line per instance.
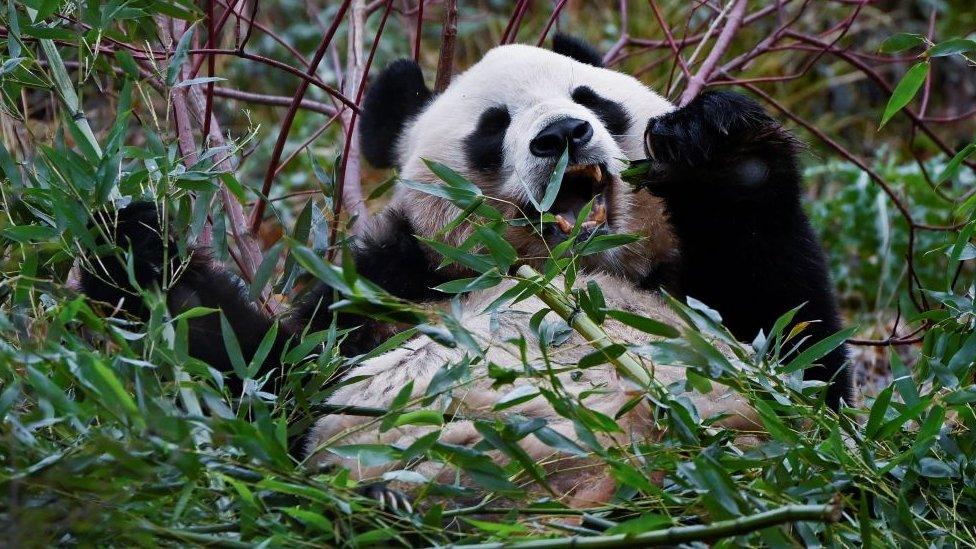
[274, 100]
[445, 62]
[350, 191]
[675, 49]
[516, 14]
[418, 30]
[211, 43]
[877, 78]
[257, 214]
[304, 145]
[552, 19]
[697, 82]
[351, 138]
[307, 77]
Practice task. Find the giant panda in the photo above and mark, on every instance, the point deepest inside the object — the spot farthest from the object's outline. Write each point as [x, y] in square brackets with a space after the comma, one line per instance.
[718, 209]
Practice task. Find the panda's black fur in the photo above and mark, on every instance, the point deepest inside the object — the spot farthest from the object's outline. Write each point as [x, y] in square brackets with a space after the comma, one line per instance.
[726, 171]
[202, 283]
[729, 178]
[396, 94]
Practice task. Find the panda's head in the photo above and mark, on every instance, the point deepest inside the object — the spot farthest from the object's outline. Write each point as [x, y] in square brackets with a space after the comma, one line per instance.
[504, 124]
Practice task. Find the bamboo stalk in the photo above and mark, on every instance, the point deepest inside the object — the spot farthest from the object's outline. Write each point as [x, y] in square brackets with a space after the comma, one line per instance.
[66, 90]
[187, 536]
[627, 364]
[683, 534]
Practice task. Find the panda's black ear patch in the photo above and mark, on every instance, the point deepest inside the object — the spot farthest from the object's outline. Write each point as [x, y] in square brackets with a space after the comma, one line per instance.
[398, 93]
[573, 47]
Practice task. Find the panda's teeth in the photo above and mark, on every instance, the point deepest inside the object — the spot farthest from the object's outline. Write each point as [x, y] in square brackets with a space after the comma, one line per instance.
[564, 226]
[590, 171]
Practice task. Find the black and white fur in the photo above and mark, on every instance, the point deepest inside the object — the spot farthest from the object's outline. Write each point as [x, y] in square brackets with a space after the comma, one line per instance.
[722, 220]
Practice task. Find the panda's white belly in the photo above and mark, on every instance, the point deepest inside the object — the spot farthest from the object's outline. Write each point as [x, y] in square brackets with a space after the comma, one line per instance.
[421, 358]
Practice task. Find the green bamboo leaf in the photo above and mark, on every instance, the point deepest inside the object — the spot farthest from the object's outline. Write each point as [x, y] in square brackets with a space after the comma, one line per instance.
[112, 390]
[475, 262]
[601, 356]
[179, 56]
[500, 250]
[197, 81]
[452, 178]
[555, 182]
[326, 272]
[953, 166]
[518, 395]
[368, 455]
[26, 233]
[310, 518]
[396, 406]
[232, 347]
[952, 47]
[382, 188]
[819, 350]
[906, 90]
[900, 42]
[489, 279]
[264, 348]
[420, 417]
[265, 270]
[644, 324]
[602, 243]
[555, 439]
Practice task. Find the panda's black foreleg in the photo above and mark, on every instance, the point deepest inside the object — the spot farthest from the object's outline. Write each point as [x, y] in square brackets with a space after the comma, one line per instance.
[730, 180]
[197, 283]
[390, 256]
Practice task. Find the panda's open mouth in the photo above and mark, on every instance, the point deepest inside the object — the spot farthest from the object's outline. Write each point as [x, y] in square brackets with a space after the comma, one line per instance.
[581, 184]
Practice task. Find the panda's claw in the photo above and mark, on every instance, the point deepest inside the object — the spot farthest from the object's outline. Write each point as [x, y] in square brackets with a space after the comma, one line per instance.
[388, 499]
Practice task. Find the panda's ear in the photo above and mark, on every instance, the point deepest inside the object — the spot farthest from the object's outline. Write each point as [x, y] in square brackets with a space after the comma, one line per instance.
[573, 47]
[398, 93]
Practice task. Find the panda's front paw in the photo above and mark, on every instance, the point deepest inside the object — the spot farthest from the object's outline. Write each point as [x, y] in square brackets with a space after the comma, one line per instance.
[707, 130]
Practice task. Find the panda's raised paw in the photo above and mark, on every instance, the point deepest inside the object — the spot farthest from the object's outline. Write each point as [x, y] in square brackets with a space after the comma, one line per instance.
[387, 498]
[706, 130]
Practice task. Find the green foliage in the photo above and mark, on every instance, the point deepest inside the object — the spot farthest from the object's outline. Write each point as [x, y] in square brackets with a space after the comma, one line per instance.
[112, 435]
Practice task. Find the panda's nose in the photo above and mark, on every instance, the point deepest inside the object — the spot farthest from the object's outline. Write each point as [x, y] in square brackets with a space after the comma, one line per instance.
[555, 137]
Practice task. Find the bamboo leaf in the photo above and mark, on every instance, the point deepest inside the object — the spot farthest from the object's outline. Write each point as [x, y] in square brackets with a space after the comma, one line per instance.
[953, 46]
[555, 182]
[950, 169]
[900, 42]
[179, 56]
[905, 90]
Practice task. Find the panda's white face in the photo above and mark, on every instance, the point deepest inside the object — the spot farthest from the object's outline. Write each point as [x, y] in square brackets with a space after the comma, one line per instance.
[505, 122]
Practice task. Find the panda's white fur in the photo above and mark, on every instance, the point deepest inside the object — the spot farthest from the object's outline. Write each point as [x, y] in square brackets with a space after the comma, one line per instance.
[535, 85]
[578, 481]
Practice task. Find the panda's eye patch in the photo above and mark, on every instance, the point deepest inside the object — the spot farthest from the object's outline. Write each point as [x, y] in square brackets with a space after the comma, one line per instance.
[483, 147]
[611, 113]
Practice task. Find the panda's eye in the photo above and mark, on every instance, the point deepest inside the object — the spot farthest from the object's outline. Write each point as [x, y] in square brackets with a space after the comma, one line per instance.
[483, 147]
[611, 113]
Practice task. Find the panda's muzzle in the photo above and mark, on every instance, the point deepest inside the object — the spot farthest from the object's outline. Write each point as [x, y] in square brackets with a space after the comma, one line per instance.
[581, 184]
